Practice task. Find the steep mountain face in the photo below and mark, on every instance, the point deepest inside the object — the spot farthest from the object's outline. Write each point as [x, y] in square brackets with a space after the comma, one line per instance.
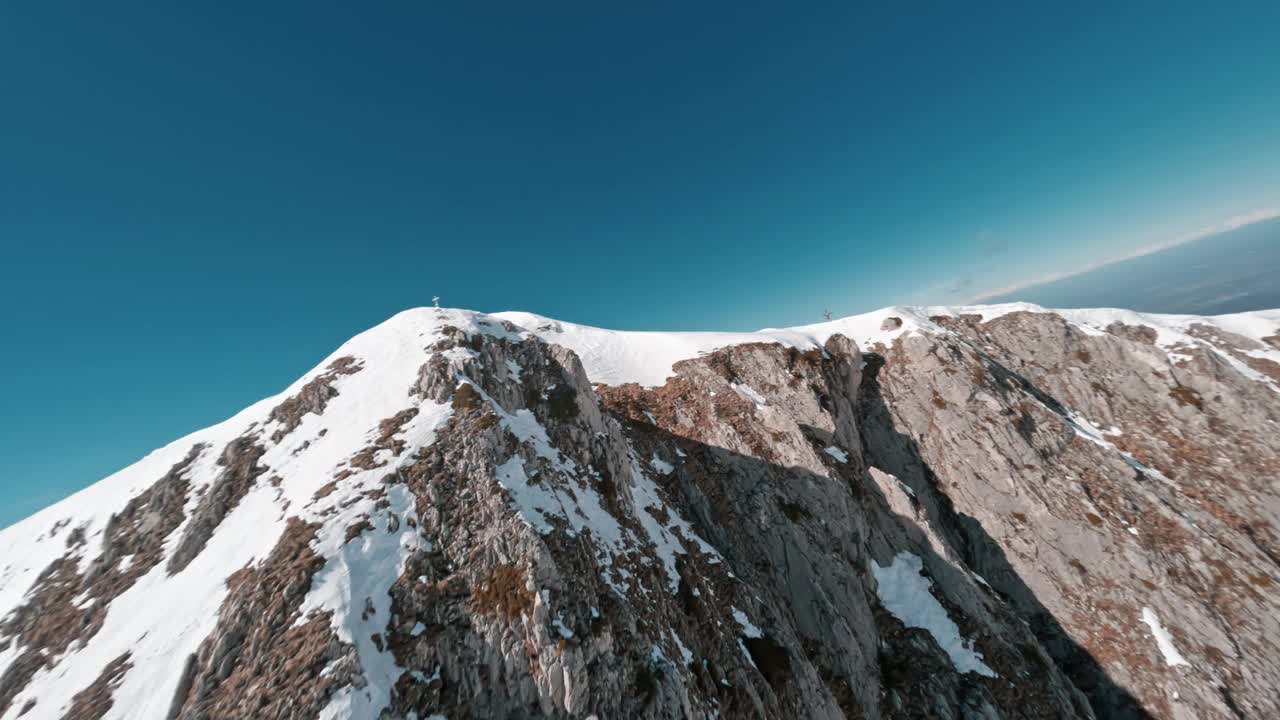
[991, 512]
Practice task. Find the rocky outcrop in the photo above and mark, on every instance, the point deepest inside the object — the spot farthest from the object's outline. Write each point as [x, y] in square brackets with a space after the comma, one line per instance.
[263, 660]
[95, 701]
[767, 439]
[1096, 536]
[754, 596]
[239, 461]
[311, 398]
[1015, 517]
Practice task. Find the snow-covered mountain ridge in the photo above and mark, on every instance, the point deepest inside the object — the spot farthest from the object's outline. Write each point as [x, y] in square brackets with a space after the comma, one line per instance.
[613, 357]
[993, 511]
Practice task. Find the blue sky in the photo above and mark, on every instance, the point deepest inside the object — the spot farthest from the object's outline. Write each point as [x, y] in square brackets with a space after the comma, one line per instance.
[198, 203]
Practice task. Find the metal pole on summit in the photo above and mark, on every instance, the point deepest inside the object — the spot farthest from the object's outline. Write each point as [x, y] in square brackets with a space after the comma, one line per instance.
[436, 301]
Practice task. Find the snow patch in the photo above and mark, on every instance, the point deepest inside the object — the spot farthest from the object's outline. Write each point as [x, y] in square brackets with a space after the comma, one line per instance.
[531, 502]
[1164, 641]
[749, 628]
[665, 540]
[353, 584]
[1097, 436]
[904, 592]
[749, 393]
[525, 426]
[662, 467]
[564, 630]
[685, 653]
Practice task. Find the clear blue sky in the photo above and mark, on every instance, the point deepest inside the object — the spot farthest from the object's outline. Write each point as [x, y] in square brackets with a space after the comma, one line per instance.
[198, 203]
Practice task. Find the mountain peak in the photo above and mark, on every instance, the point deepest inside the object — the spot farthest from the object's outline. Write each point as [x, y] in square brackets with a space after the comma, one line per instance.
[995, 509]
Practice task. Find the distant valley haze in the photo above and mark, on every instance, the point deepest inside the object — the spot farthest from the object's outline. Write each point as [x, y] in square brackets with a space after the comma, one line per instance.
[1233, 271]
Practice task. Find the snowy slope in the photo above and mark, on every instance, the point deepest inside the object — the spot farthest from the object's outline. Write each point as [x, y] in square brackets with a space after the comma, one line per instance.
[141, 620]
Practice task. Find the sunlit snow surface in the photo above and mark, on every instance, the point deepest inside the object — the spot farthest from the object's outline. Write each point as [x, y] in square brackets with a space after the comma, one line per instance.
[1164, 641]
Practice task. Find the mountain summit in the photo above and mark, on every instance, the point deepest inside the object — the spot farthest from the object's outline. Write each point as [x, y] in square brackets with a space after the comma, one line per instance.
[984, 512]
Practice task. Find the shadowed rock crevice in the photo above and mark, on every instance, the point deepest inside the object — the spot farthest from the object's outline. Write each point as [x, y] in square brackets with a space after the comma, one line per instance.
[1184, 529]
[897, 453]
[778, 555]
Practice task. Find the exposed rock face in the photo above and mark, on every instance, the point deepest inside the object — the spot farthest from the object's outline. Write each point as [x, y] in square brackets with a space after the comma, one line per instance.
[888, 517]
[312, 397]
[94, 701]
[240, 471]
[261, 661]
[771, 460]
[1086, 537]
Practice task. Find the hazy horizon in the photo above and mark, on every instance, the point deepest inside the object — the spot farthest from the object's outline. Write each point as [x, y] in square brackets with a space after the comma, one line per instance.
[1231, 272]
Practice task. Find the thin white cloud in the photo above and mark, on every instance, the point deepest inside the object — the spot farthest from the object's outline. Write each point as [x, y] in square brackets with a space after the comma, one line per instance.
[1231, 223]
